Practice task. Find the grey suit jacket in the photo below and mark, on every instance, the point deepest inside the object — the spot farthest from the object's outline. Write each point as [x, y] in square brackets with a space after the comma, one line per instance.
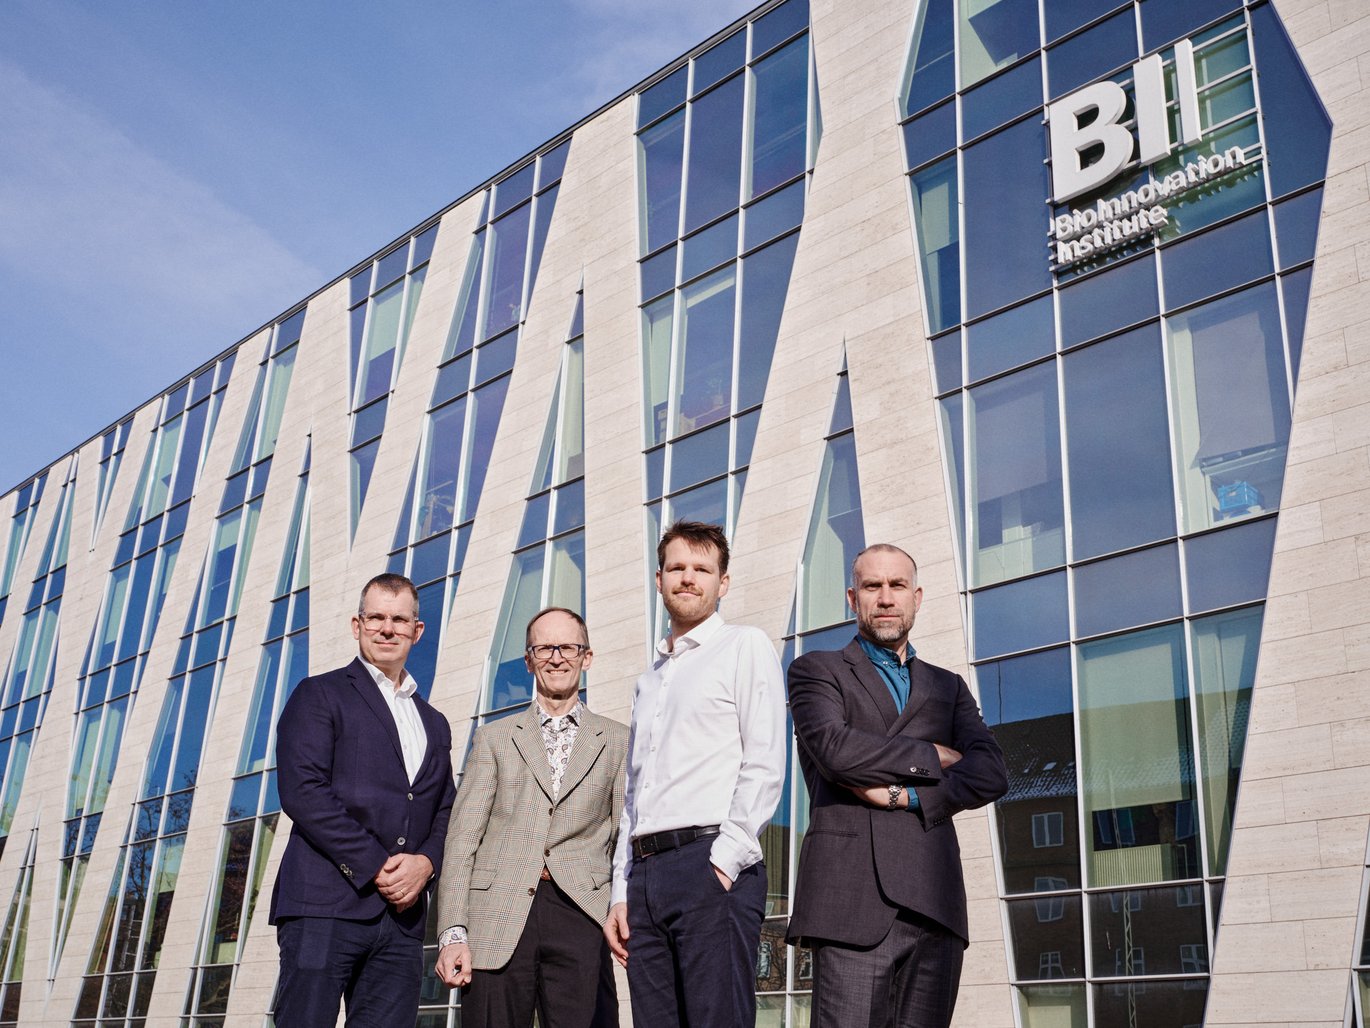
[506, 826]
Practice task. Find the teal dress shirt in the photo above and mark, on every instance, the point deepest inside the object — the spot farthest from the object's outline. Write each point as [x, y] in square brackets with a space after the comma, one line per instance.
[895, 675]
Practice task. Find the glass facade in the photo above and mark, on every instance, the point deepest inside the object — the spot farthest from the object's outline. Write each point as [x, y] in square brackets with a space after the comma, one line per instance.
[1117, 424]
[1113, 211]
[724, 144]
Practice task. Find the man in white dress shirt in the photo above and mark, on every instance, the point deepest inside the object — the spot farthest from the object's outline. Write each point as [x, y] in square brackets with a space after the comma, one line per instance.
[706, 764]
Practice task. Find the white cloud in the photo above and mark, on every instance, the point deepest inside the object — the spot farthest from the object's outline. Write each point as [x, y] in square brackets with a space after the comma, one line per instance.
[82, 205]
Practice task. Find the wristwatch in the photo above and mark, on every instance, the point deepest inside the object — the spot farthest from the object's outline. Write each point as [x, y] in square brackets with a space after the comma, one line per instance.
[895, 792]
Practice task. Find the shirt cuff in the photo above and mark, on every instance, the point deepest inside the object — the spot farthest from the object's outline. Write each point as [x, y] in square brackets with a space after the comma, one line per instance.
[913, 800]
[454, 936]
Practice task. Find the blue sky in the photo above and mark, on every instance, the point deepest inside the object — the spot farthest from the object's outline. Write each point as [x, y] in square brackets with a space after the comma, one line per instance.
[175, 173]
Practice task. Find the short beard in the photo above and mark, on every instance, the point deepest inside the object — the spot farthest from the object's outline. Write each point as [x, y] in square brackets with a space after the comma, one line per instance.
[885, 636]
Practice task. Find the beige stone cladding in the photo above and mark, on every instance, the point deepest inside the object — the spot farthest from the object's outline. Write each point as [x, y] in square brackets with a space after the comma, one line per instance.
[1286, 939]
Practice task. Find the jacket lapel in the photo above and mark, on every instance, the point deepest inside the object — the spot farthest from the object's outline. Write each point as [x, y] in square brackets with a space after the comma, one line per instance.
[871, 681]
[920, 689]
[527, 736]
[371, 696]
[589, 744]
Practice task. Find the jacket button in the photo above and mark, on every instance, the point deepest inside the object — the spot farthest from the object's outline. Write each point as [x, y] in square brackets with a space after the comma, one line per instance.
[399, 841]
[551, 811]
[546, 853]
[411, 796]
[531, 891]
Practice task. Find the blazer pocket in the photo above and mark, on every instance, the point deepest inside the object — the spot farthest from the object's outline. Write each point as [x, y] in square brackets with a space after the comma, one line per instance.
[482, 877]
[599, 878]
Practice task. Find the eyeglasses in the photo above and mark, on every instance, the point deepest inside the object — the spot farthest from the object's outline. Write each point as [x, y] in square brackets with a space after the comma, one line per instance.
[399, 623]
[567, 651]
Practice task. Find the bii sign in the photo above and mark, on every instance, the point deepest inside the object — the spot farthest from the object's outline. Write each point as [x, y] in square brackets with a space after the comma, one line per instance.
[1113, 221]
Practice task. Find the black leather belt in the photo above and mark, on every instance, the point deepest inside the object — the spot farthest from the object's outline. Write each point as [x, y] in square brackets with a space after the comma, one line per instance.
[660, 842]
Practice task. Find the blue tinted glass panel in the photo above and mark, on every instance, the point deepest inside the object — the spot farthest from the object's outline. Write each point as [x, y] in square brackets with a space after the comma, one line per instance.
[1149, 914]
[779, 24]
[1124, 592]
[1047, 933]
[534, 527]
[937, 227]
[369, 422]
[708, 249]
[720, 60]
[930, 135]
[746, 437]
[570, 507]
[1015, 467]
[508, 247]
[780, 117]
[430, 559]
[656, 100]
[715, 154]
[933, 75]
[1006, 186]
[1106, 47]
[995, 35]
[552, 164]
[423, 658]
[1118, 444]
[1021, 616]
[1298, 133]
[392, 266]
[701, 456]
[359, 286]
[1296, 228]
[1229, 567]
[546, 204]
[1218, 260]
[1103, 303]
[496, 357]
[1001, 99]
[446, 427]
[656, 464]
[1063, 16]
[662, 150]
[513, 190]
[489, 401]
[423, 249]
[1018, 335]
[946, 361]
[453, 379]
[1295, 288]
[707, 503]
[658, 273]
[765, 281]
[1164, 21]
[777, 213]
[705, 354]
[1231, 406]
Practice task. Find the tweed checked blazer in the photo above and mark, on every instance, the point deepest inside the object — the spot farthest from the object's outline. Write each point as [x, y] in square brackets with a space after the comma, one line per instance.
[506, 826]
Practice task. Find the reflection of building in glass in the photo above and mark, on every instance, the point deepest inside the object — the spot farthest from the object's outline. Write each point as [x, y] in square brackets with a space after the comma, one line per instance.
[1079, 320]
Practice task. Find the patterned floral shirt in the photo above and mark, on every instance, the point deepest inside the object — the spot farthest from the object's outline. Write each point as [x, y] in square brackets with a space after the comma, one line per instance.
[559, 735]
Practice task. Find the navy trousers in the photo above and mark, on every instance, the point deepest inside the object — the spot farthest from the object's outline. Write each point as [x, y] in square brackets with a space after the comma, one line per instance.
[691, 943]
[370, 965]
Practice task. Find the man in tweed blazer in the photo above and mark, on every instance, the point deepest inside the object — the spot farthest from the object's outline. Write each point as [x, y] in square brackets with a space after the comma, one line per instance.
[525, 888]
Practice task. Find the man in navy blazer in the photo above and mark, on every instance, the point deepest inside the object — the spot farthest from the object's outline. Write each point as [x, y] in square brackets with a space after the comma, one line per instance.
[365, 775]
[891, 748]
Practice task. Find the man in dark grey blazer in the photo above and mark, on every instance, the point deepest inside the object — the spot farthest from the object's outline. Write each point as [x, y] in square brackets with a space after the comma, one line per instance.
[891, 748]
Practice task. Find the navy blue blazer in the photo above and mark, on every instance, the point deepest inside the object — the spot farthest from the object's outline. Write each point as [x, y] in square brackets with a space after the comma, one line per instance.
[343, 783]
[858, 864]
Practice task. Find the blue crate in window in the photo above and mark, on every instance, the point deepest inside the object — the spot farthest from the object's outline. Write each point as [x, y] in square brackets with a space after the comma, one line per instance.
[1237, 498]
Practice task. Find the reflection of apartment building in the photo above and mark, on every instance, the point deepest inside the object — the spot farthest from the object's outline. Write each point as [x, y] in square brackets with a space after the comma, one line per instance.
[755, 291]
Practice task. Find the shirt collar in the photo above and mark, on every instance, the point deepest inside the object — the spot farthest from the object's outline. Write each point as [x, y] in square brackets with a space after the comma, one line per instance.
[407, 684]
[572, 715]
[694, 638]
[880, 655]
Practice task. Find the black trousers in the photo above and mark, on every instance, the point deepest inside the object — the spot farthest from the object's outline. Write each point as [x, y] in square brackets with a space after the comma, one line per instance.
[371, 965]
[561, 966]
[691, 943]
[907, 980]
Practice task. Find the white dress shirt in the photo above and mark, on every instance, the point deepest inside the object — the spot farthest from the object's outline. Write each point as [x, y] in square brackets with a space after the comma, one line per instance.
[413, 737]
[707, 745]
